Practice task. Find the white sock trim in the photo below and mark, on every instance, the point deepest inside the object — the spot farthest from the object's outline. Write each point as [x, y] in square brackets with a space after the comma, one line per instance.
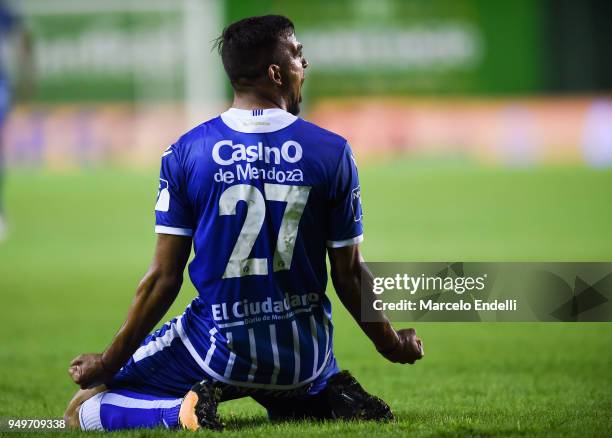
[89, 413]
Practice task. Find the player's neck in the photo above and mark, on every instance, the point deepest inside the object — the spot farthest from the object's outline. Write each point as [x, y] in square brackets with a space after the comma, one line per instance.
[250, 101]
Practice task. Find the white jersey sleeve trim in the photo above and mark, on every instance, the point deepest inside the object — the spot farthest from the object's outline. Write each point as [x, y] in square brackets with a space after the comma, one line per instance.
[348, 242]
[162, 229]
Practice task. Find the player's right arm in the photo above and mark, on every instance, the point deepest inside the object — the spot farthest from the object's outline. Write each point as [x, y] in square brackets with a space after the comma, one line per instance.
[160, 285]
[154, 296]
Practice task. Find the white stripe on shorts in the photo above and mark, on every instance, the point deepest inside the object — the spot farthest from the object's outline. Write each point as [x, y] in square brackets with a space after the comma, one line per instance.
[211, 349]
[232, 356]
[275, 354]
[253, 369]
[315, 343]
[296, 352]
[215, 375]
[156, 345]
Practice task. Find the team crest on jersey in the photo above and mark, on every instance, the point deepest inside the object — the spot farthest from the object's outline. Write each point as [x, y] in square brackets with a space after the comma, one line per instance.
[356, 203]
[163, 196]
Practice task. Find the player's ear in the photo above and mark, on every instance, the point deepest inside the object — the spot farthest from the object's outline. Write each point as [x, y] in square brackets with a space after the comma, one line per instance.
[274, 74]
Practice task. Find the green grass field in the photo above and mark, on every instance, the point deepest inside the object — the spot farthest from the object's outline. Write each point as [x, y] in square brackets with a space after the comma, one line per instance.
[80, 242]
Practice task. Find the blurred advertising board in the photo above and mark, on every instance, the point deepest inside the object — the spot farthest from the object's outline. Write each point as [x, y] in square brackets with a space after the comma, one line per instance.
[137, 49]
[490, 131]
[68, 136]
[552, 130]
[358, 47]
[120, 80]
[106, 51]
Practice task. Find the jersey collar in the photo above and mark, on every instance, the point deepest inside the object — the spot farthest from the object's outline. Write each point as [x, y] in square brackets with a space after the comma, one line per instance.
[258, 120]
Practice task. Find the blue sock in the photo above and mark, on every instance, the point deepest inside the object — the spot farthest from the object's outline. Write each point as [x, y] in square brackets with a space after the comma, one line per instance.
[121, 409]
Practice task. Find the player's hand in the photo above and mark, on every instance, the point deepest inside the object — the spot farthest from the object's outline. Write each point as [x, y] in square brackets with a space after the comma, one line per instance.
[87, 371]
[409, 348]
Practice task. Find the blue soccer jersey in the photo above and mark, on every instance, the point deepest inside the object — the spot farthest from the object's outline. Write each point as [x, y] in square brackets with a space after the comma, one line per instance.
[263, 193]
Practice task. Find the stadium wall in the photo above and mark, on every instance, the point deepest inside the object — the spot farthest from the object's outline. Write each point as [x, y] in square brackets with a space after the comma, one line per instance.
[525, 131]
[117, 81]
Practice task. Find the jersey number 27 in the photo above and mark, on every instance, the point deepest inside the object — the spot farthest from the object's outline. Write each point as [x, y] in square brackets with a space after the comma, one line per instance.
[239, 264]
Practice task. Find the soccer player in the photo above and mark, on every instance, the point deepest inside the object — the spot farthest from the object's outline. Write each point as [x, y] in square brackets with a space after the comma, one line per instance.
[263, 196]
[11, 25]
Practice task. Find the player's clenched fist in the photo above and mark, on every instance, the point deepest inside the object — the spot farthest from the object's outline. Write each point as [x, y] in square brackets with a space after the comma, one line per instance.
[408, 349]
[87, 370]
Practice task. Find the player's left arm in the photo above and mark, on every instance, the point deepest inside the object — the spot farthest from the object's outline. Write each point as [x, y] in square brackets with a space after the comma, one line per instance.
[352, 279]
[154, 296]
[350, 275]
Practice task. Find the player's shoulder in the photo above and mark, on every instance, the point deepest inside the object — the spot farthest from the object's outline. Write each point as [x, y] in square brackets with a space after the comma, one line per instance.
[322, 135]
[327, 146]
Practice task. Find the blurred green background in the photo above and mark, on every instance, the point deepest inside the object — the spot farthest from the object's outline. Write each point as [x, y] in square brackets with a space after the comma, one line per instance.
[497, 82]
[357, 47]
[483, 131]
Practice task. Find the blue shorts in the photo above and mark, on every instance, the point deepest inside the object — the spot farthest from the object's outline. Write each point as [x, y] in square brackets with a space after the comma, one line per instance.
[163, 367]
